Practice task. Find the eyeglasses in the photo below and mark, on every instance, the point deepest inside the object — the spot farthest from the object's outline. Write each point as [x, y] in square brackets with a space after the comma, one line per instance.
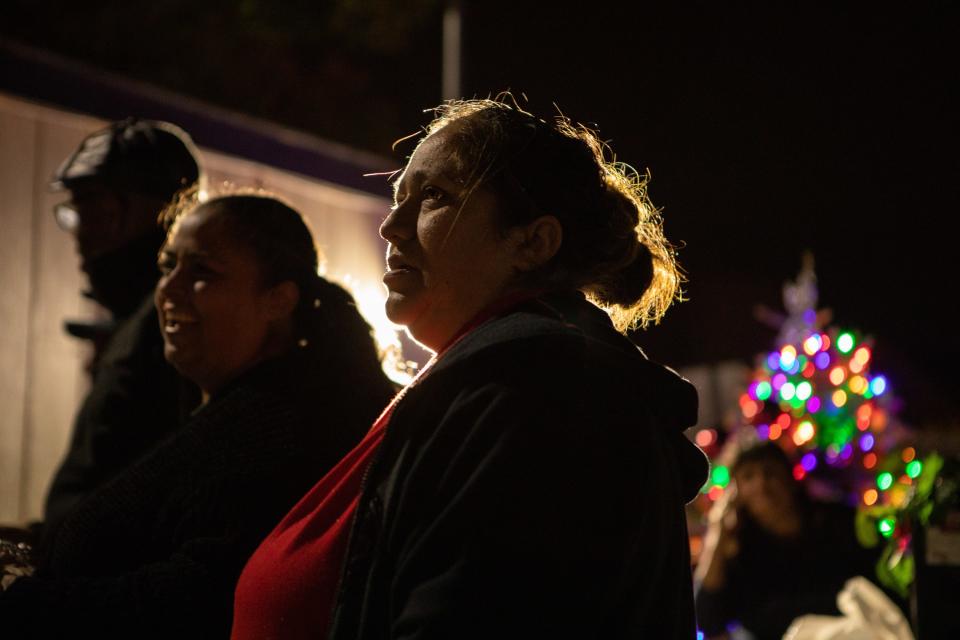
[67, 216]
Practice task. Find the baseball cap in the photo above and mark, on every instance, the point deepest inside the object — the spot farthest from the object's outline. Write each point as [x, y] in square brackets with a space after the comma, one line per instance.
[148, 156]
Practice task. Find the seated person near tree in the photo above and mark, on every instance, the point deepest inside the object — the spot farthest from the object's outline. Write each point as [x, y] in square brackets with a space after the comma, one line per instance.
[771, 554]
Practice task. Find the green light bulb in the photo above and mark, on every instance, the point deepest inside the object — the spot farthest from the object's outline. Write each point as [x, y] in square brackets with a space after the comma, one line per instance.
[885, 480]
[720, 476]
[845, 342]
[914, 468]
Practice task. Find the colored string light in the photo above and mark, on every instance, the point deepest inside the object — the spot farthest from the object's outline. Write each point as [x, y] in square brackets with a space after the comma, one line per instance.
[763, 390]
[914, 468]
[886, 527]
[844, 342]
[885, 480]
[720, 476]
[837, 376]
[839, 398]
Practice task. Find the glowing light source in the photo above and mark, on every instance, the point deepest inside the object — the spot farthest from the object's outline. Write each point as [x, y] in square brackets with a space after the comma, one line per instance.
[908, 454]
[914, 468]
[778, 381]
[813, 404]
[837, 376]
[812, 344]
[370, 302]
[809, 461]
[788, 355]
[763, 431]
[878, 385]
[763, 390]
[804, 390]
[863, 417]
[706, 437]
[775, 431]
[822, 360]
[870, 461]
[844, 342]
[855, 367]
[866, 442]
[839, 398]
[884, 480]
[870, 497]
[773, 361]
[799, 472]
[787, 391]
[858, 384]
[715, 492]
[861, 355]
[804, 432]
[886, 527]
[720, 476]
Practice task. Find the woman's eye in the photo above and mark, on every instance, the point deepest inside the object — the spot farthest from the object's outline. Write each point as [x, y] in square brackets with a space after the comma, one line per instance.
[166, 266]
[432, 193]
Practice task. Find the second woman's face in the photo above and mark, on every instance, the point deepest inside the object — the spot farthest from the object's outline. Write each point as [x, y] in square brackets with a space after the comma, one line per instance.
[446, 259]
[215, 312]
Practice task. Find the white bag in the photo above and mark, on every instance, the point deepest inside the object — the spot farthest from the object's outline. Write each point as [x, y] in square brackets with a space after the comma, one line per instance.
[868, 614]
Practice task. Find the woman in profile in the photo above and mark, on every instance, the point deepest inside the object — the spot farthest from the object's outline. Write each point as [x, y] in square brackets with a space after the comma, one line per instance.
[531, 482]
[290, 380]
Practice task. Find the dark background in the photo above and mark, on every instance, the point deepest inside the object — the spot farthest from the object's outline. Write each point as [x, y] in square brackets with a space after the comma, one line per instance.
[768, 131]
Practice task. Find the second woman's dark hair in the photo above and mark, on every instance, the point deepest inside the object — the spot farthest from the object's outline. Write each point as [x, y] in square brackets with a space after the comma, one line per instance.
[326, 320]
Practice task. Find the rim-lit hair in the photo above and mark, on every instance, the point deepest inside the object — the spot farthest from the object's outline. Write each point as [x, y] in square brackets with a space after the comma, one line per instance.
[613, 249]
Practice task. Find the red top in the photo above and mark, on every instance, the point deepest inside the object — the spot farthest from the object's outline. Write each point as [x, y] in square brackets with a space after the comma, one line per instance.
[288, 587]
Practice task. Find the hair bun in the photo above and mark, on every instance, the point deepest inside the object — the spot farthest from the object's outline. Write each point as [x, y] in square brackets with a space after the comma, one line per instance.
[626, 285]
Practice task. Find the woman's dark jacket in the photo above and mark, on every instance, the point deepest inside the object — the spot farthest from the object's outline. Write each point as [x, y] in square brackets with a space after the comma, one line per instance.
[532, 485]
[157, 551]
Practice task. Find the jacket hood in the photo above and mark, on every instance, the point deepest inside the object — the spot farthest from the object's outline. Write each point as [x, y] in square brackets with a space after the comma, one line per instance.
[671, 399]
[675, 408]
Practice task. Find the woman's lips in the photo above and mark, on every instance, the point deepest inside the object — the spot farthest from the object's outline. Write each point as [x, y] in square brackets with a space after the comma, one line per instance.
[398, 275]
[399, 271]
[176, 324]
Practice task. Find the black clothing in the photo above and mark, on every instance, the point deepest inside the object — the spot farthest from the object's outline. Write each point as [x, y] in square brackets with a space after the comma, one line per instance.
[156, 552]
[133, 404]
[121, 278]
[531, 485]
[773, 580]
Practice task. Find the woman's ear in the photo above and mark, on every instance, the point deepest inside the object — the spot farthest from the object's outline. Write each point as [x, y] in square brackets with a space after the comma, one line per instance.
[282, 300]
[537, 242]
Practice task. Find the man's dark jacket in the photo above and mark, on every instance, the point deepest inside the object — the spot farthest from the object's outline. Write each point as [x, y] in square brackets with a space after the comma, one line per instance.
[134, 403]
[532, 485]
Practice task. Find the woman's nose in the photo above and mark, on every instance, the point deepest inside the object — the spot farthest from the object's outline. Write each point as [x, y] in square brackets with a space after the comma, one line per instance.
[397, 225]
[171, 284]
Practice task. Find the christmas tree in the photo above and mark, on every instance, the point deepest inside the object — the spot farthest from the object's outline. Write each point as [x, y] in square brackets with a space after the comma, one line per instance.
[817, 395]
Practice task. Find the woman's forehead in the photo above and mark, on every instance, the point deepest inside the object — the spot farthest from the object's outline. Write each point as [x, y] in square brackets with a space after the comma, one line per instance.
[204, 226]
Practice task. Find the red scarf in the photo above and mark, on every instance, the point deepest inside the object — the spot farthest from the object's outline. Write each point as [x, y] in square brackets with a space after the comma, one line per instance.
[288, 586]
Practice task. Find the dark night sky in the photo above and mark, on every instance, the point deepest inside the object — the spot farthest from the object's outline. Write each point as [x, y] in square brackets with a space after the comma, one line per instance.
[768, 131]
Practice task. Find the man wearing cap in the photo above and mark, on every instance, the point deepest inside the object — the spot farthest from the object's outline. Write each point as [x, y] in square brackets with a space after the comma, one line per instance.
[119, 179]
